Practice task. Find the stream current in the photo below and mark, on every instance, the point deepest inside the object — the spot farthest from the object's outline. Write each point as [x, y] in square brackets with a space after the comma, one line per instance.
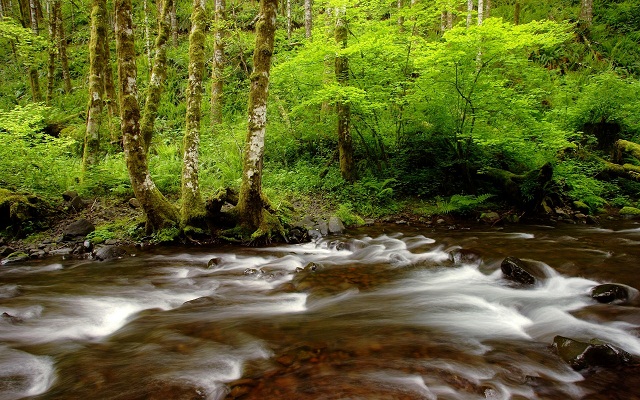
[380, 314]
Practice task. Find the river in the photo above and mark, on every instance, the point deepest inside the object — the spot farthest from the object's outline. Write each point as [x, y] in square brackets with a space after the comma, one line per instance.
[380, 313]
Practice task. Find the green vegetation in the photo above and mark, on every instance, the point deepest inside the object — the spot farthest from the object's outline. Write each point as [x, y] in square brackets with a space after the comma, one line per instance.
[434, 110]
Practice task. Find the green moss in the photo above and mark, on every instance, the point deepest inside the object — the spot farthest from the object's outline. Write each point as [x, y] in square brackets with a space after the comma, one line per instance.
[581, 206]
[630, 211]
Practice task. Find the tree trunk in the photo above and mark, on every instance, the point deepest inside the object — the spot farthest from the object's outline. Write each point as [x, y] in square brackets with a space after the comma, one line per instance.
[96, 82]
[516, 13]
[345, 143]
[308, 18]
[251, 205]
[487, 9]
[192, 204]
[399, 5]
[110, 88]
[158, 211]
[449, 20]
[526, 190]
[289, 22]
[158, 74]
[217, 71]
[62, 47]
[147, 34]
[29, 19]
[329, 62]
[480, 11]
[469, 12]
[623, 148]
[586, 11]
[51, 70]
[174, 25]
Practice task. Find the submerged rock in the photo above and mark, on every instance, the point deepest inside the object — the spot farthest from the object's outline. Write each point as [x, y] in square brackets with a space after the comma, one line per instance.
[615, 293]
[214, 262]
[595, 353]
[524, 272]
[465, 256]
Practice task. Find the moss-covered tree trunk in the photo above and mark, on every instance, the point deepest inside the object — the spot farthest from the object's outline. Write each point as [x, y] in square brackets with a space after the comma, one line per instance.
[110, 89]
[96, 82]
[251, 205]
[51, 67]
[345, 142]
[174, 24]
[158, 74]
[217, 72]
[158, 211]
[62, 47]
[192, 204]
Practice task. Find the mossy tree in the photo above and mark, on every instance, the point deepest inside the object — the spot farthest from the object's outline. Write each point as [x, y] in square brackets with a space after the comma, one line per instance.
[252, 206]
[62, 46]
[192, 204]
[158, 74]
[159, 212]
[29, 19]
[97, 62]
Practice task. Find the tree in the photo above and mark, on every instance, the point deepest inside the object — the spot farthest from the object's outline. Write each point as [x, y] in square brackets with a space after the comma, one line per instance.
[51, 70]
[192, 204]
[158, 74]
[96, 82]
[217, 76]
[586, 11]
[252, 207]
[158, 211]
[29, 18]
[62, 47]
[345, 143]
[308, 18]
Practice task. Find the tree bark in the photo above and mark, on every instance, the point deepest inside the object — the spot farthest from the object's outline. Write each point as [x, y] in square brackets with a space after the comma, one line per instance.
[399, 5]
[28, 17]
[174, 25]
[147, 34]
[158, 211]
[217, 71]
[289, 22]
[586, 11]
[480, 11]
[192, 204]
[96, 83]
[51, 70]
[110, 87]
[158, 74]
[623, 148]
[251, 205]
[469, 12]
[62, 47]
[487, 9]
[516, 13]
[345, 142]
[308, 18]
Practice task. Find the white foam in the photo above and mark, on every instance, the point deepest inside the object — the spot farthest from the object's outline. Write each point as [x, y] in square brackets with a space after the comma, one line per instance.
[24, 374]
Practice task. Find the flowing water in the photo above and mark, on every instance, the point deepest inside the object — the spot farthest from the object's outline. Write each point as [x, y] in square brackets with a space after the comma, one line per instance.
[381, 314]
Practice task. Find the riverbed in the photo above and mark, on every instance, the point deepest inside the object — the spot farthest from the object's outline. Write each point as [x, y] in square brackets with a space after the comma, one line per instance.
[382, 312]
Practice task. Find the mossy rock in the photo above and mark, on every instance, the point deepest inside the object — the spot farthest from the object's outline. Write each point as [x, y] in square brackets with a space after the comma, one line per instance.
[630, 211]
[581, 206]
[16, 209]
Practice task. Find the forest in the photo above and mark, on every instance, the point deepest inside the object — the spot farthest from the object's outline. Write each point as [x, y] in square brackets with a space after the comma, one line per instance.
[225, 117]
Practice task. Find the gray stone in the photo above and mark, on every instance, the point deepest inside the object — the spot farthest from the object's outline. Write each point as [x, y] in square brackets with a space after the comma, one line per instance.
[81, 227]
[105, 253]
[335, 225]
[61, 252]
[322, 227]
[134, 203]
[78, 204]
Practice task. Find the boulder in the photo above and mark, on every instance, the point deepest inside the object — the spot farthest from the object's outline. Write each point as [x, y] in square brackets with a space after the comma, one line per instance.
[105, 253]
[78, 204]
[10, 318]
[297, 235]
[595, 353]
[214, 262]
[335, 225]
[525, 272]
[313, 267]
[322, 227]
[490, 217]
[614, 293]
[79, 228]
[17, 256]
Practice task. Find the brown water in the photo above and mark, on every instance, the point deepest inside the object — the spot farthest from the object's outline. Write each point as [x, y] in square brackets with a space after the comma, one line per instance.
[385, 315]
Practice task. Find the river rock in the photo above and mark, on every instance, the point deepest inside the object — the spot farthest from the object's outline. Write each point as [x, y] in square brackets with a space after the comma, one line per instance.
[313, 267]
[214, 262]
[15, 257]
[490, 217]
[81, 227]
[5, 251]
[465, 256]
[335, 225]
[10, 318]
[78, 204]
[525, 272]
[298, 235]
[595, 353]
[322, 227]
[105, 253]
[614, 293]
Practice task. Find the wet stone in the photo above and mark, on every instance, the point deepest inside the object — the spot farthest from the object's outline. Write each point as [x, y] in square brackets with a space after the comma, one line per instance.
[520, 271]
[613, 293]
[109, 253]
[214, 262]
[81, 227]
[15, 257]
[10, 318]
[595, 353]
[465, 256]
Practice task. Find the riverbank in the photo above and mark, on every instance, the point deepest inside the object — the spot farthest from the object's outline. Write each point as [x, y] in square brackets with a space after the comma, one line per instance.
[80, 227]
